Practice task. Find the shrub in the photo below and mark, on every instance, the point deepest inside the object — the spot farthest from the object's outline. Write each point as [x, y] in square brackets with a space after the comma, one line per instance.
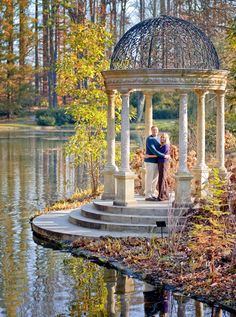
[230, 122]
[62, 117]
[58, 117]
[165, 114]
[46, 121]
[211, 237]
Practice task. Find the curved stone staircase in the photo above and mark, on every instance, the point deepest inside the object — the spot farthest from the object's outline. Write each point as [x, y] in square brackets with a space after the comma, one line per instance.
[140, 217]
[101, 218]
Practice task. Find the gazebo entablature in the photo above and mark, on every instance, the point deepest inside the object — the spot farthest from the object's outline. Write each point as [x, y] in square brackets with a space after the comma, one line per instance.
[165, 80]
[119, 184]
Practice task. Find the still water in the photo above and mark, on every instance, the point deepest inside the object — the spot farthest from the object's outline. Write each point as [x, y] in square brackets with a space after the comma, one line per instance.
[41, 282]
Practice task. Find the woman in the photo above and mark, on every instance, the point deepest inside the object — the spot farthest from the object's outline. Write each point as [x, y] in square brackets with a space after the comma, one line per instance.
[163, 166]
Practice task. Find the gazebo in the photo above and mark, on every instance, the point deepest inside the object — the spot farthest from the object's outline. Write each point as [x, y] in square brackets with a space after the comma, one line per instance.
[163, 54]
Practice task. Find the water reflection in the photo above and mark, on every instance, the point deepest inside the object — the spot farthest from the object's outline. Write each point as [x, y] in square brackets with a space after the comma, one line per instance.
[40, 282]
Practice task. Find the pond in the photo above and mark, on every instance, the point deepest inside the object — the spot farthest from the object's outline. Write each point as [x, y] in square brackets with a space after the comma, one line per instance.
[42, 282]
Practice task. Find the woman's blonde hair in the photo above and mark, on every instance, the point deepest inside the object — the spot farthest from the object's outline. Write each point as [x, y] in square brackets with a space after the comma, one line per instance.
[166, 136]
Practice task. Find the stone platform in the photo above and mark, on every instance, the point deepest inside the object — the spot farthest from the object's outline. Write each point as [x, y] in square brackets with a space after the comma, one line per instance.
[101, 218]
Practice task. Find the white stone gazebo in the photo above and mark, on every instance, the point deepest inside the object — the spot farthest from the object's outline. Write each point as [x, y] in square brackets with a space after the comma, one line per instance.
[163, 54]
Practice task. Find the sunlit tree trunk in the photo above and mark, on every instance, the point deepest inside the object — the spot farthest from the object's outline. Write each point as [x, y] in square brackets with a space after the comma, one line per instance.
[92, 10]
[22, 32]
[113, 20]
[141, 10]
[45, 47]
[154, 8]
[162, 7]
[168, 7]
[55, 54]
[36, 55]
[10, 49]
[122, 17]
[103, 11]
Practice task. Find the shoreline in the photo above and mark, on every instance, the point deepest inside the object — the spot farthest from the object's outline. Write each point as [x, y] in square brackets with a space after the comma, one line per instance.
[5, 126]
[114, 263]
[149, 260]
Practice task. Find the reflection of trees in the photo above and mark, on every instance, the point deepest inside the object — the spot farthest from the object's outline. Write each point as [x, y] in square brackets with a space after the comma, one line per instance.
[13, 242]
[24, 184]
[99, 291]
[91, 291]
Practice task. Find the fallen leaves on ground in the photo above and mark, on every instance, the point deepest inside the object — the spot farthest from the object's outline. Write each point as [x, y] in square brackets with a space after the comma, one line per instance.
[153, 257]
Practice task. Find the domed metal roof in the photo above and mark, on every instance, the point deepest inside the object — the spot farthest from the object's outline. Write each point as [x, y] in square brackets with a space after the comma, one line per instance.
[164, 43]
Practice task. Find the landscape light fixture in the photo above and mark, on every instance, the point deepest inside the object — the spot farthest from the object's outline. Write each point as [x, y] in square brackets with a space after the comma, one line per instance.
[161, 224]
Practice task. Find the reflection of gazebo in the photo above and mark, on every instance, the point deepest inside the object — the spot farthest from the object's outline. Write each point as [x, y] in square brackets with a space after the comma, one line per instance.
[163, 54]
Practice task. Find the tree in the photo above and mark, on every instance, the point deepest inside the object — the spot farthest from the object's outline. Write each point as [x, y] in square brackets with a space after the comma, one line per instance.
[79, 77]
[210, 238]
[36, 54]
[15, 73]
[232, 45]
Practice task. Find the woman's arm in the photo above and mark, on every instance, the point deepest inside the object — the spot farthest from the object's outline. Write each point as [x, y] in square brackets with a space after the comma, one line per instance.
[149, 155]
[153, 146]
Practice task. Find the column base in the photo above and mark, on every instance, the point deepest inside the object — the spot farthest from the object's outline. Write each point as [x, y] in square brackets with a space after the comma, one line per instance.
[200, 178]
[125, 188]
[143, 175]
[109, 182]
[223, 172]
[183, 190]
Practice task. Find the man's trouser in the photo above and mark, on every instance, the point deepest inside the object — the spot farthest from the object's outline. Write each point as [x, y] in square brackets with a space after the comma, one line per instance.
[150, 179]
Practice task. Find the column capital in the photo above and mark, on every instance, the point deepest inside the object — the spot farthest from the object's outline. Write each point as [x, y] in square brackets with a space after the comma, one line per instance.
[200, 92]
[182, 91]
[219, 92]
[148, 93]
[124, 91]
[110, 92]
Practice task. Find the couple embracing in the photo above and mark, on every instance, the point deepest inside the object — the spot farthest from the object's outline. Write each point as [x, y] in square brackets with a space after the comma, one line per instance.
[157, 165]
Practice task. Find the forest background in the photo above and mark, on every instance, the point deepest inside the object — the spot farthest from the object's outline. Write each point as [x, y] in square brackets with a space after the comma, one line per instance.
[34, 41]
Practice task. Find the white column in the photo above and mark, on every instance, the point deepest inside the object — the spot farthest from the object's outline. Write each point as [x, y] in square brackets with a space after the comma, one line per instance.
[110, 168]
[200, 171]
[201, 129]
[111, 130]
[147, 131]
[183, 177]
[220, 131]
[148, 113]
[125, 133]
[183, 133]
[125, 178]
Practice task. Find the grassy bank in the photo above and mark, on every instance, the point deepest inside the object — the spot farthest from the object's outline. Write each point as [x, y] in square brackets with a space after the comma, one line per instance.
[166, 125]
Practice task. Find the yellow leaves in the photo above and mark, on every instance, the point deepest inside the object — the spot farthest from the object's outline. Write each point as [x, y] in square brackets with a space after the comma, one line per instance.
[79, 76]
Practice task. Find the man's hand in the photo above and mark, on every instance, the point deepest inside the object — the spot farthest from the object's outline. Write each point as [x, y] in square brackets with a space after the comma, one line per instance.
[167, 156]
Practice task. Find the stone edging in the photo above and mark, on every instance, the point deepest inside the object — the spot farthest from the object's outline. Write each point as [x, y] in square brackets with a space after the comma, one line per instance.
[112, 263]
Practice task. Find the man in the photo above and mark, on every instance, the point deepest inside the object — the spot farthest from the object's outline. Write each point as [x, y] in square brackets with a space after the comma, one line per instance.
[152, 147]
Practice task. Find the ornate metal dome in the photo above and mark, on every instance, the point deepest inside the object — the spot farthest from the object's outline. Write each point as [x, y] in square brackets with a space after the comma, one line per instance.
[164, 43]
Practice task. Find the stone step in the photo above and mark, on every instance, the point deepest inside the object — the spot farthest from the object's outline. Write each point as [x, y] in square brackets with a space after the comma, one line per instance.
[76, 217]
[55, 226]
[89, 211]
[141, 208]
